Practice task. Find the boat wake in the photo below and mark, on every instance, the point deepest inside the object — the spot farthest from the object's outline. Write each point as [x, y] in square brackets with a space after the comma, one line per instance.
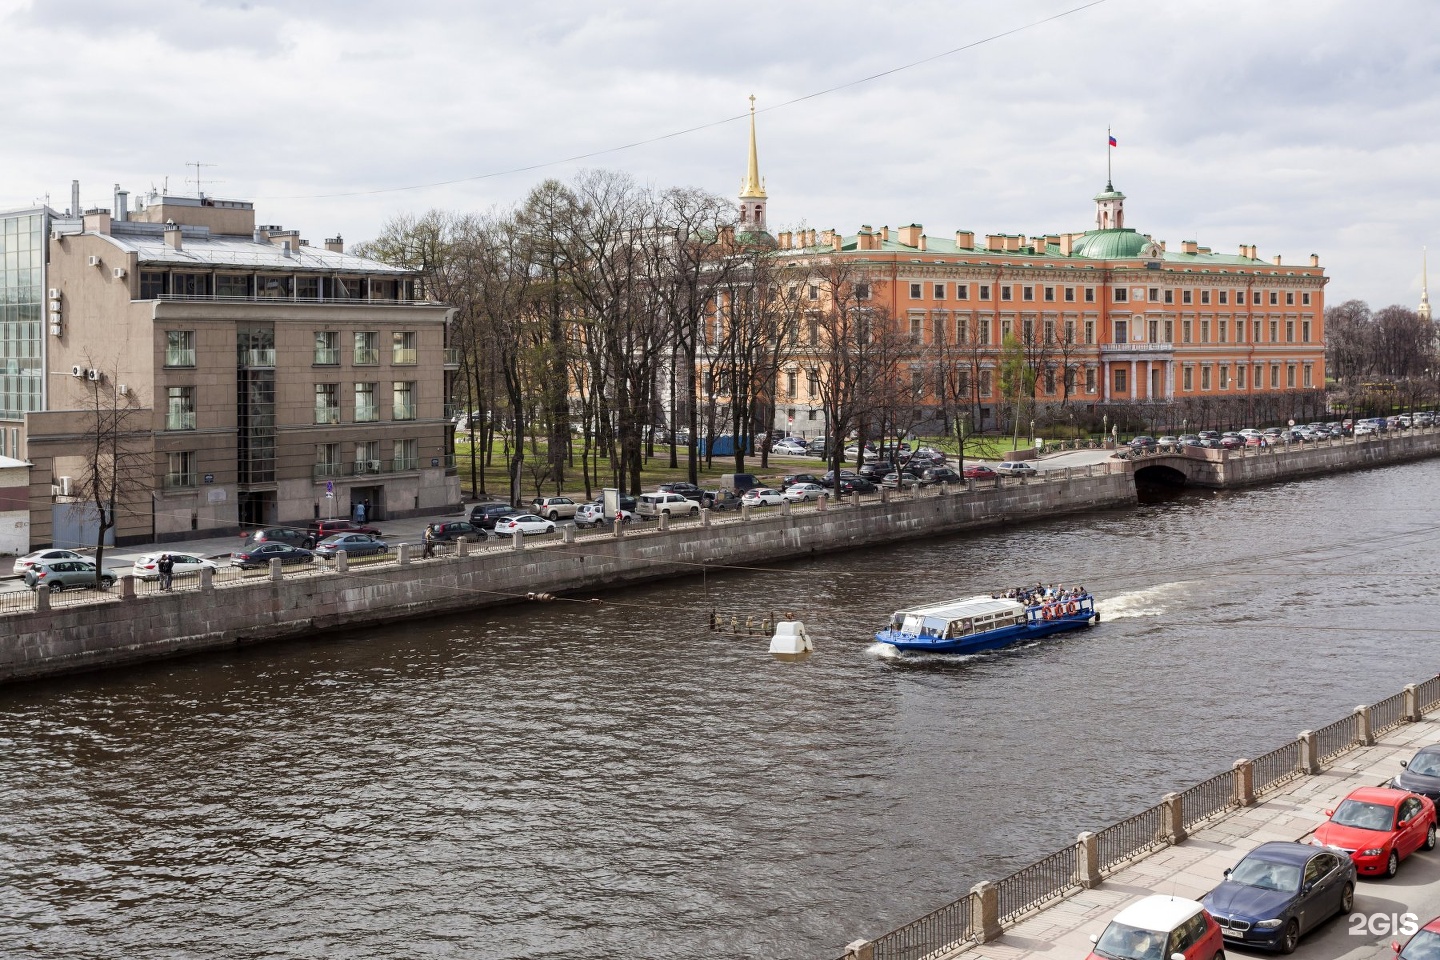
[1150, 602]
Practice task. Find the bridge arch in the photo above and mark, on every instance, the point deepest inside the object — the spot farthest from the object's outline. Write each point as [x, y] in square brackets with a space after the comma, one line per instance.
[1160, 474]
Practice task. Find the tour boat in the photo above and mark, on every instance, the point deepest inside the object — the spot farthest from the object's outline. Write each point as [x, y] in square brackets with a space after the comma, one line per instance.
[973, 624]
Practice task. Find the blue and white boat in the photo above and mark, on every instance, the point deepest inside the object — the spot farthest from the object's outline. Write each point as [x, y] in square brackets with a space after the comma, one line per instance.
[973, 624]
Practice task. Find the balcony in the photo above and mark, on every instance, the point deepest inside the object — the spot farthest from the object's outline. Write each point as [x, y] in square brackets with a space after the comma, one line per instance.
[327, 356]
[325, 470]
[1109, 348]
[403, 357]
[180, 420]
[401, 464]
[403, 411]
[452, 358]
[367, 356]
[258, 357]
[176, 357]
[327, 414]
[287, 298]
[179, 481]
[366, 414]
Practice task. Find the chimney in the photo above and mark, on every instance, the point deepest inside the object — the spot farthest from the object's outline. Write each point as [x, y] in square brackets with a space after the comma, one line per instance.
[97, 221]
[1012, 244]
[172, 235]
[1276, 261]
[1067, 243]
[1244, 250]
[1190, 246]
[286, 249]
[1314, 259]
[994, 241]
[837, 241]
[910, 236]
[965, 239]
[259, 235]
[884, 234]
[122, 204]
[814, 238]
[75, 198]
[922, 241]
[335, 244]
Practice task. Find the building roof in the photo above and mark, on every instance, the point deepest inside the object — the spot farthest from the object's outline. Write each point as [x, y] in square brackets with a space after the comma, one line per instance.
[1121, 244]
[199, 248]
[8, 463]
[965, 607]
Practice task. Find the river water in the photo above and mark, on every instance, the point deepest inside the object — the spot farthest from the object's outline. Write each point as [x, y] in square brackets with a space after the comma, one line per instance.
[612, 780]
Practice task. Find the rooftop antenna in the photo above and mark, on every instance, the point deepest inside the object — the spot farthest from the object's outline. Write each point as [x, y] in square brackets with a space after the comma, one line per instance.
[199, 190]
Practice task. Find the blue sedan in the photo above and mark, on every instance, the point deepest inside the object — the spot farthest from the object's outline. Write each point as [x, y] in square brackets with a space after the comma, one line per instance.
[354, 545]
[1280, 891]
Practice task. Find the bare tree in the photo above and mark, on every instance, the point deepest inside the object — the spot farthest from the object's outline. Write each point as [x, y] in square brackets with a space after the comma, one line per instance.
[117, 468]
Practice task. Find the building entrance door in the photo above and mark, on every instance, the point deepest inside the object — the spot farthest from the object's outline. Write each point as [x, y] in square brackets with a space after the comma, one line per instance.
[374, 500]
[1154, 383]
[257, 509]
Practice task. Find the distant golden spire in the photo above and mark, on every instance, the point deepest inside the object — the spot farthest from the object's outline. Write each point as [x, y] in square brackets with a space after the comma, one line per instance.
[752, 188]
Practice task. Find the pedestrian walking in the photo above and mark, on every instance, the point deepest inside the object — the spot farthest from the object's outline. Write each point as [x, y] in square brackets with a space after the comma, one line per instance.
[166, 566]
[429, 542]
[358, 513]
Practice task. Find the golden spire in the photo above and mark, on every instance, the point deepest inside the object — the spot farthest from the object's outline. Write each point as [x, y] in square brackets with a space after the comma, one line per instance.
[752, 187]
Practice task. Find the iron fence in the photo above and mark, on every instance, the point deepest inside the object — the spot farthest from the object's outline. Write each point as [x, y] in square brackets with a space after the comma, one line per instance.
[1335, 738]
[1042, 881]
[1208, 798]
[75, 596]
[1427, 695]
[1387, 714]
[1131, 837]
[1277, 767]
[20, 601]
[935, 931]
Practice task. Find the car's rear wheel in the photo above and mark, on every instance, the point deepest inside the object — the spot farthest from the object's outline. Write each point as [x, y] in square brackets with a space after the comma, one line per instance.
[1430, 837]
[107, 582]
[57, 587]
[1347, 899]
[550, 528]
[308, 544]
[1392, 865]
[554, 514]
[694, 511]
[1291, 938]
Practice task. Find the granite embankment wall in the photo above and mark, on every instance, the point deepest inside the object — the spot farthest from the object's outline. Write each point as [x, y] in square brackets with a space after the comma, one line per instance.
[130, 628]
[1240, 468]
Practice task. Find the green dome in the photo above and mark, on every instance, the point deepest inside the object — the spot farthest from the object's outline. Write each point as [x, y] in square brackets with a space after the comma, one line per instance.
[1122, 244]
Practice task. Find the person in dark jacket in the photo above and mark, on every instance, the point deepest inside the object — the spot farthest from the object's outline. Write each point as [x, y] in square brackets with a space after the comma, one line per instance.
[429, 542]
[166, 566]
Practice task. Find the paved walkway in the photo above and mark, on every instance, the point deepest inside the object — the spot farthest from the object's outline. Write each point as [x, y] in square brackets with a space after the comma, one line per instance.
[1197, 865]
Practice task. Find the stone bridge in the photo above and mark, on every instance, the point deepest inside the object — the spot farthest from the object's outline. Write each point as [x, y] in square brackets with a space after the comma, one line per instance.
[1203, 467]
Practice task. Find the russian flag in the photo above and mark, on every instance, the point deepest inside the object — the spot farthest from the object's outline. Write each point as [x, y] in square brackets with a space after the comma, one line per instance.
[1113, 141]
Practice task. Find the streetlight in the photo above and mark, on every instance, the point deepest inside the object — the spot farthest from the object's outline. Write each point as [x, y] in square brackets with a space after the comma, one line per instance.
[1104, 427]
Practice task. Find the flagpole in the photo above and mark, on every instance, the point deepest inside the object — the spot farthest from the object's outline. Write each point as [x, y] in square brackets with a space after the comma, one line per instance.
[1109, 151]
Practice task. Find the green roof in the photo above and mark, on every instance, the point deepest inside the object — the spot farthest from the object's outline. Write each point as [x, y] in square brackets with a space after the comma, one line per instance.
[1123, 244]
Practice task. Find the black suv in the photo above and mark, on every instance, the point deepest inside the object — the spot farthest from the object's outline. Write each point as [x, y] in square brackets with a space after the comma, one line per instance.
[455, 529]
[484, 515]
[940, 475]
[687, 490]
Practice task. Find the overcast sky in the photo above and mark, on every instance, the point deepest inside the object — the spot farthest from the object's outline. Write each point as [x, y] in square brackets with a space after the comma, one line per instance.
[1301, 126]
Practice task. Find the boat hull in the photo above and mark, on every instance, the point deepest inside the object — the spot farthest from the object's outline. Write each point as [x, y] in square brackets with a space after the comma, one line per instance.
[990, 639]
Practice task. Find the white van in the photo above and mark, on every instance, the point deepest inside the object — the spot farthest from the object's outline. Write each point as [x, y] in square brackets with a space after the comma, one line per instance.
[666, 504]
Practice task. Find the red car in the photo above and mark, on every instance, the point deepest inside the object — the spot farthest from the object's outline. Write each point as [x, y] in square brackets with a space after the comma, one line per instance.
[1158, 928]
[1379, 827]
[978, 471]
[1425, 945]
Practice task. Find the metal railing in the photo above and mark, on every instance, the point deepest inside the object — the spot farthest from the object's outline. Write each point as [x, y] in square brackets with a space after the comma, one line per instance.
[20, 601]
[933, 932]
[1042, 881]
[257, 357]
[287, 298]
[1131, 837]
[1335, 738]
[367, 356]
[1208, 798]
[327, 356]
[452, 356]
[180, 420]
[322, 470]
[1277, 767]
[327, 414]
[367, 413]
[403, 357]
[402, 411]
[1387, 714]
[1427, 694]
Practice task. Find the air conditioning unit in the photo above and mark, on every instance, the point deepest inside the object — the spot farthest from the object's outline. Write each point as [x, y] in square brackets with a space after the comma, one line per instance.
[54, 293]
[94, 261]
[92, 375]
[77, 371]
[118, 273]
[54, 329]
[122, 390]
[64, 484]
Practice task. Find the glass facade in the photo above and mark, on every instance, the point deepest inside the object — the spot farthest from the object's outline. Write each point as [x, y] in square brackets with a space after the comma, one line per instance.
[22, 306]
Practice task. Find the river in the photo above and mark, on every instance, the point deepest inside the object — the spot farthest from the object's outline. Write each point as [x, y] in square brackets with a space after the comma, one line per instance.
[613, 780]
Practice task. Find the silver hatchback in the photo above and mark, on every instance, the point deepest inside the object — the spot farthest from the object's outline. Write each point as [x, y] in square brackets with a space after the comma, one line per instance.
[60, 575]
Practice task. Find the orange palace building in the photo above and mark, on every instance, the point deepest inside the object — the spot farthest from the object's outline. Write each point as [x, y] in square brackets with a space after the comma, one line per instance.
[1104, 316]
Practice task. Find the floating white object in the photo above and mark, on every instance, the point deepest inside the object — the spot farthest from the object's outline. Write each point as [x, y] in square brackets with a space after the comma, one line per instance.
[790, 638]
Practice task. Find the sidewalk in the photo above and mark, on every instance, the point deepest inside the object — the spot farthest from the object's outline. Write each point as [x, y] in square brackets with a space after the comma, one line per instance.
[1194, 867]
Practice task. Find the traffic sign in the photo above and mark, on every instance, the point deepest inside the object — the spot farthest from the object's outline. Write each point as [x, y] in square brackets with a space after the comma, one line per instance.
[329, 488]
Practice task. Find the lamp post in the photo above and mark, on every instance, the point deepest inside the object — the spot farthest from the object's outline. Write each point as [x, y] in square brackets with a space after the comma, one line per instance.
[1032, 433]
[1104, 427]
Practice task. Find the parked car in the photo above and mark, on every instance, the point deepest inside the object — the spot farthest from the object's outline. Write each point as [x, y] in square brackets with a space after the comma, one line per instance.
[147, 566]
[762, 497]
[1421, 774]
[1279, 892]
[738, 482]
[1231, 441]
[354, 545]
[1424, 945]
[452, 530]
[978, 471]
[1142, 443]
[1168, 441]
[828, 480]
[526, 523]
[1379, 827]
[876, 470]
[803, 492]
[666, 504]
[935, 475]
[485, 514]
[1016, 468]
[687, 490]
[320, 529]
[554, 508]
[258, 555]
[593, 515]
[790, 448]
[795, 478]
[1159, 927]
[58, 575]
[897, 480]
[722, 500]
[858, 485]
[288, 535]
[24, 563]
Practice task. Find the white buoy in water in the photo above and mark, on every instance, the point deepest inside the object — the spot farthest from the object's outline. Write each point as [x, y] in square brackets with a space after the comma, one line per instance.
[790, 638]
